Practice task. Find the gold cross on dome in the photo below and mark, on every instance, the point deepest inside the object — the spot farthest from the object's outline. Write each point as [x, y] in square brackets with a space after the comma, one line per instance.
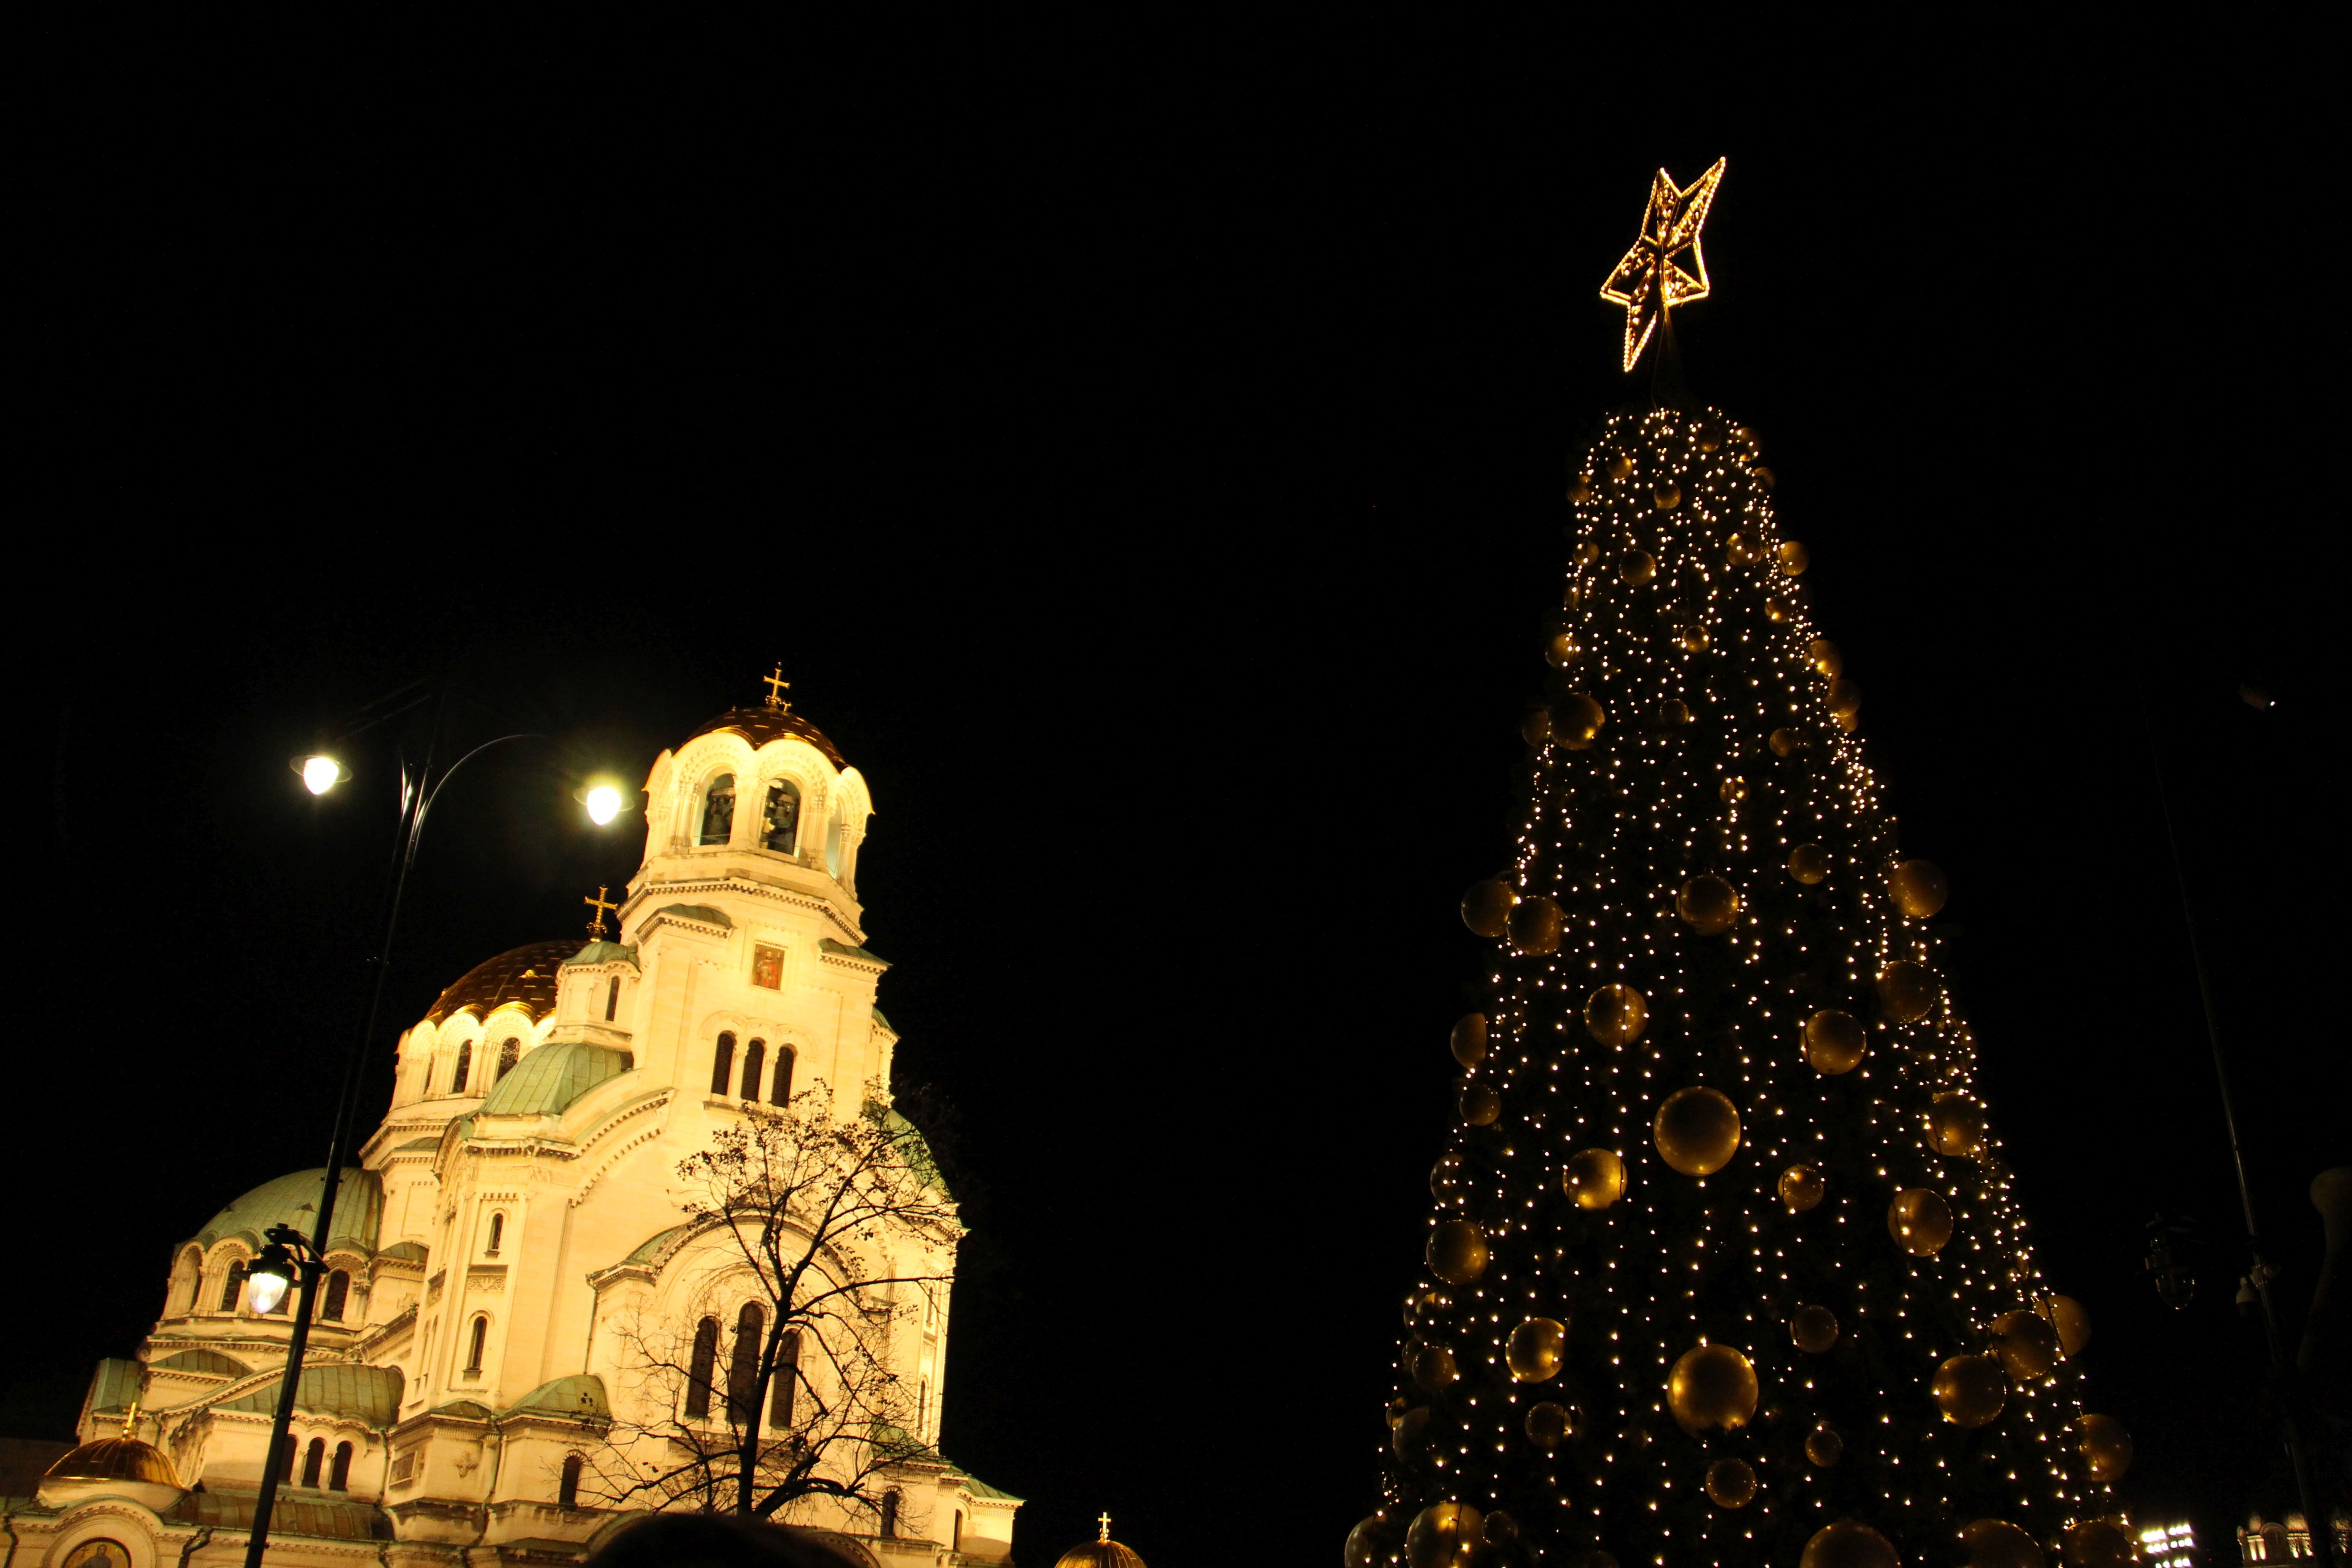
[777, 686]
[1653, 278]
[598, 903]
[1105, 1522]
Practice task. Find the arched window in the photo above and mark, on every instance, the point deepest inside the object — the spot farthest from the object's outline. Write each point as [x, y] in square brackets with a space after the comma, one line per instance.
[718, 810]
[781, 830]
[837, 844]
[474, 1347]
[781, 1094]
[567, 1490]
[698, 1370]
[498, 1234]
[890, 1513]
[722, 1065]
[286, 1451]
[755, 1060]
[612, 998]
[784, 1393]
[338, 1290]
[508, 1054]
[743, 1365]
[232, 1286]
[339, 1474]
[465, 1065]
[314, 1460]
[955, 1537]
[187, 1284]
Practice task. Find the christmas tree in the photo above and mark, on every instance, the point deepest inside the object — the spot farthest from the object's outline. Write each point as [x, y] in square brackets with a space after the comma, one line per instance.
[1725, 1266]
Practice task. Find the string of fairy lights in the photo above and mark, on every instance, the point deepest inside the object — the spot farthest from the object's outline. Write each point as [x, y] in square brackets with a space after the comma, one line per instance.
[1723, 1258]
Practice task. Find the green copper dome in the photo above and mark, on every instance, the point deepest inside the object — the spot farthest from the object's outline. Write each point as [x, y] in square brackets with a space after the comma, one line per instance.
[552, 1076]
[294, 1200]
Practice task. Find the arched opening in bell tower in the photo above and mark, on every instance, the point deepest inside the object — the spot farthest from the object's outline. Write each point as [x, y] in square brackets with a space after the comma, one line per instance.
[719, 811]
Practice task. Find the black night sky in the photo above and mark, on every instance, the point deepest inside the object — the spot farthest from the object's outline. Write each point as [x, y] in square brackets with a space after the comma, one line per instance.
[1155, 490]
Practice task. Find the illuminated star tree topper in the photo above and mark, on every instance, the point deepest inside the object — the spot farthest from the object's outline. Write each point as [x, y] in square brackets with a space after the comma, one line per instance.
[1665, 267]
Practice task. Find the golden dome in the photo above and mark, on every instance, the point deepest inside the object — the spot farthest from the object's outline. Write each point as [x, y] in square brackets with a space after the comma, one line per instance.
[762, 725]
[116, 1459]
[525, 976]
[1103, 1554]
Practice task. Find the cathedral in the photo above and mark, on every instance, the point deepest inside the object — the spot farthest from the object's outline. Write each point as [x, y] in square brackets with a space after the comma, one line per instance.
[529, 1330]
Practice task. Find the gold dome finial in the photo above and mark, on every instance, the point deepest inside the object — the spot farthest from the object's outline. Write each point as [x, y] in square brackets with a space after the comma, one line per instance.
[1105, 1522]
[1650, 282]
[131, 1417]
[600, 904]
[777, 686]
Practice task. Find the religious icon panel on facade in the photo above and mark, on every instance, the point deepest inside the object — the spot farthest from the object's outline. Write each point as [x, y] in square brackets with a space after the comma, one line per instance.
[768, 967]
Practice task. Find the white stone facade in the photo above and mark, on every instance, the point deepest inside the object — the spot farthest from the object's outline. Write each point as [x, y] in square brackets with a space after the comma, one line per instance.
[509, 1234]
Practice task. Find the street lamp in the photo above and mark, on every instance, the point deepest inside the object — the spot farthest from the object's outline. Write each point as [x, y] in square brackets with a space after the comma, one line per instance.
[291, 1260]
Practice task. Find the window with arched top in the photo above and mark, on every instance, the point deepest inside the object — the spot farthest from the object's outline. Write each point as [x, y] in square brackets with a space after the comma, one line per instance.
[955, 1535]
[567, 1489]
[779, 829]
[837, 844]
[287, 1451]
[743, 1365]
[717, 811]
[698, 1369]
[722, 1065]
[314, 1461]
[784, 1394]
[338, 1292]
[612, 998]
[755, 1061]
[339, 1474]
[781, 1094]
[474, 1344]
[187, 1284]
[508, 1054]
[890, 1514]
[232, 1285]
[498, 1234]
[465, 1065]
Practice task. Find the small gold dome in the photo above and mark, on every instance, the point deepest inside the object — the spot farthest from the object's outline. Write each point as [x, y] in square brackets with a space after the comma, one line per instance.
[762, 725]
[116, 1459]
[1102, 1554]
[525, 976]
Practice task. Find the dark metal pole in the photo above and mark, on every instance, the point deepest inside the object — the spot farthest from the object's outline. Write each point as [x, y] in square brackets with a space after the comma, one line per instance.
[2322, 1526]
[414, 797]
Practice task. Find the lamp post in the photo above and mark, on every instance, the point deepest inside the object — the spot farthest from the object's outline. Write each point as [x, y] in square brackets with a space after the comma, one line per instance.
[291, 1259]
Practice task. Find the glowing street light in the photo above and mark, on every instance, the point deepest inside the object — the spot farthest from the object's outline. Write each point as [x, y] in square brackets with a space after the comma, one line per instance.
[320, 772]
[604, 803]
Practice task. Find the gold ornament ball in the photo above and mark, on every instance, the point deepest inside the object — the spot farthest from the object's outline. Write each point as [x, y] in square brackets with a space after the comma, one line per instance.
[1955, 1126]
[1586, 552]
[1708, 440]
[1739, 552]
[1918, 888]
[1765, 476]
[1920, 1221]
[1697, 1131]
[1907, 991]
[1809, 864]
[1834, 1042]
[1776, 610]
[1692, 639]
[1997, 1543]
[1971, 1389]
[1500, 1529]
[1620, 467]
[1369, 1543]
[1480, 1105]
[1849, 1544]
[1844, 699]
[1825, 657]
[1486, 908]
[1443, 1175]
[1536, 925]
[1849, 722]
[1549, 1425]
[2066, 1315]
[1562, 650]
[1411, 1440]
[1709, 905]
[1616, 1015]
[1576, 720]
[1823, 1447]
[1666, 497]
[1730, 1483]
[1581, 491]
[1812, 1328]
[1435, 1368]
[1785, 742]
[1712, 1388]
[1595, 1178]
[1535, 1350]
[1802, 1187]
[2106, 1446]
[2026, 1344]
[1535, 726]
[1457, 1251]
[1791, 559]
[1444, 1535]
[1637, 567]
[2099, 1544]
[1422, 1308]
[1468, 1040]
[1399, 1405]
[1673, 712]
[1732, 791]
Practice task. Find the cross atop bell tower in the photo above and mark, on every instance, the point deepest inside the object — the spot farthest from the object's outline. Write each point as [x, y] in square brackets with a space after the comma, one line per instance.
[777, 686]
